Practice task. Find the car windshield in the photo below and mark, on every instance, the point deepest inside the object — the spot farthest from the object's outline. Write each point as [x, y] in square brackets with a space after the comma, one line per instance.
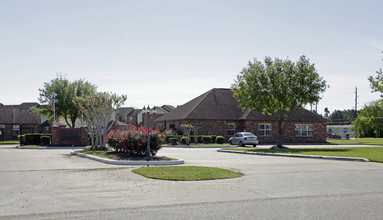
[248, 134]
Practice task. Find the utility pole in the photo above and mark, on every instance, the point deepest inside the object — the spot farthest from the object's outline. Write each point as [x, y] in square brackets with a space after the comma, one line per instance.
[356, 110]
[356, 99]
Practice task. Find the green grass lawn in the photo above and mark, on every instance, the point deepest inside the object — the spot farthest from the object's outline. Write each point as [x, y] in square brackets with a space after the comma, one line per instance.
[359, 141]
[371, 153]
[186, 173]
[198, 145]
[95, 153]
[10, 142]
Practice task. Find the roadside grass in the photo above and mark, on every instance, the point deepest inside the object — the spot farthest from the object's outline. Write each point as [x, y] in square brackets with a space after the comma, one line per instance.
[374, 154]
[378, 141]
[98, 153]
[194, 145]
[38, 146]
[10, 142]
[186, 173]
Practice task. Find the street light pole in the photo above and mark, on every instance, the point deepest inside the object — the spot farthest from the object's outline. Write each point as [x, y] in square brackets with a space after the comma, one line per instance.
[148, 111]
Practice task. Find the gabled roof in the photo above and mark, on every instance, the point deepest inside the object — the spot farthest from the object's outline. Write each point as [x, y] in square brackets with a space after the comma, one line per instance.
[214, 104]
[18, 114]
[219, 104]
[125, 111]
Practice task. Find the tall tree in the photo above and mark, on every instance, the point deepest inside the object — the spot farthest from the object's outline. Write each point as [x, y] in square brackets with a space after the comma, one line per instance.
[98, 109]
[370, 120]
[278, 88]
[326, 113]
[65, 93]
[376, 83]
[343, 116]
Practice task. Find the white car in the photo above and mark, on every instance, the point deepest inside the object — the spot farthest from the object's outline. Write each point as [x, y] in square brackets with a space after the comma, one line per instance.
[244, 138]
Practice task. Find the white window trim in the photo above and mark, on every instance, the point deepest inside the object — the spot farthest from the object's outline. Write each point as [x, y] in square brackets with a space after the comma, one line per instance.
[264, 131]
[302, 130]
[230, 129]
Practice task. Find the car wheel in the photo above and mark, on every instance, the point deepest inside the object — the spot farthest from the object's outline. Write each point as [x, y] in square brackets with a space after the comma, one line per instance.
[254, 145]
[241, 144]
[230, 142]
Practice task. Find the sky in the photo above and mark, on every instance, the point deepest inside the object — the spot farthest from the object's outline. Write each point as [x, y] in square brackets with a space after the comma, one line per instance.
[171, 51]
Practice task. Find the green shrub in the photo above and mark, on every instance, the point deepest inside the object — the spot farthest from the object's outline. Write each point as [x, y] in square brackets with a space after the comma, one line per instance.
[220, 139]
[34, 138]
[199, 139]
[173, 141]
[168, 137]
[45, 140]
[184, 140]
[213, 138]
[206, 139]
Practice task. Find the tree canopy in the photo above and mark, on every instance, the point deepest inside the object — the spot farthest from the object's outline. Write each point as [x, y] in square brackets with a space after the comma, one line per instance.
[277, 87]
[343, 116]
[64, 91]
[97, 109]
[370, 120]
[376, 83]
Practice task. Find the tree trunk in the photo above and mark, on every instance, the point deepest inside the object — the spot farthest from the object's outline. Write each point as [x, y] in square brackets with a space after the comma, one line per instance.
[280, 134]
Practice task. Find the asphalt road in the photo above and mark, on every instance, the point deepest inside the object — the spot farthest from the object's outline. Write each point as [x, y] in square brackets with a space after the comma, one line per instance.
[51, 184]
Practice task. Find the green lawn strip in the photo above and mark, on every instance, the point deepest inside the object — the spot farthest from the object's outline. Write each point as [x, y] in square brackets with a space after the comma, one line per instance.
[95, 153]
[9, 142]
[193, 145]
[34, 146]
[371, 153]
[378, 141]
[102, 154]
[186, 173]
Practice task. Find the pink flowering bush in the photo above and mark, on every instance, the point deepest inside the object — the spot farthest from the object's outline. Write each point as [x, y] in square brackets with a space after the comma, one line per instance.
[134, 141]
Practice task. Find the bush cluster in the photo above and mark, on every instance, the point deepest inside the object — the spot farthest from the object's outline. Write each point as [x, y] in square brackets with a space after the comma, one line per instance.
[206, 139]
[37, 139]
[134, 141]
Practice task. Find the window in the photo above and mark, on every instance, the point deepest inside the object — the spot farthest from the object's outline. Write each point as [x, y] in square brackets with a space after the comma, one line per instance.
[304, 130]
[345, 130]
[2, 126]
[264, 129]
[16, 128]
[230, 128]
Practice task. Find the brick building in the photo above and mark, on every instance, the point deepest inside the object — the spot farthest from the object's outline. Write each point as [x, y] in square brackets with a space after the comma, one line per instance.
[216, 112]
[16, 117]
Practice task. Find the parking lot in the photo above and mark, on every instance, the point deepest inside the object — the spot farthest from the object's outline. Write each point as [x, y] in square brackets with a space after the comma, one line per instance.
[45, 184]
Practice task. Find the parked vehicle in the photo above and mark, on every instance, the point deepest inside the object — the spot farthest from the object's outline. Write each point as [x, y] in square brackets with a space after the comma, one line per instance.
[244, 138]
[333, 136]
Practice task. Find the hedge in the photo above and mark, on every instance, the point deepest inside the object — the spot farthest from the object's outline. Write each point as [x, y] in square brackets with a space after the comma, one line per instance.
[206, 139]
[220, 139]
[35, 138]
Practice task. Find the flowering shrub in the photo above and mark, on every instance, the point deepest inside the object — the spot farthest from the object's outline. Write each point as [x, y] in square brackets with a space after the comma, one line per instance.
[134, 141]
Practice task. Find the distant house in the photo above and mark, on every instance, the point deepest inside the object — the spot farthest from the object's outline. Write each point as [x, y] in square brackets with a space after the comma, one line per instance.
[216, 112]
[16, 117]
[131, 116]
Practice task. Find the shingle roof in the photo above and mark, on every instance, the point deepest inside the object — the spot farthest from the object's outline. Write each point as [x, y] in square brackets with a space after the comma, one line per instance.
[125, 110]
[219, 104]
[18, 114]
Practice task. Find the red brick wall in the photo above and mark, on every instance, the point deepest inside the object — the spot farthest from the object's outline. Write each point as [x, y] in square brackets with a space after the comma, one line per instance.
[82, 139]
[220, 127]
[289, 133]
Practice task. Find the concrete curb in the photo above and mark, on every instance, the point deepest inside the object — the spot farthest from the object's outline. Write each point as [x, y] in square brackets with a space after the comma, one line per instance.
[298, 155]
[49, 148]
[184, 146]
[121, 162]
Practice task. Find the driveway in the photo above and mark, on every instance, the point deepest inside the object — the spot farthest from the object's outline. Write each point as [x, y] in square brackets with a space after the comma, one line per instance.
[51, 184]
